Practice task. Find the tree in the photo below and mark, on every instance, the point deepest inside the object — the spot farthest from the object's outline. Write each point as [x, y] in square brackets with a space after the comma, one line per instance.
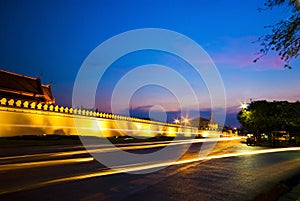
[265, 117]
[285, 34]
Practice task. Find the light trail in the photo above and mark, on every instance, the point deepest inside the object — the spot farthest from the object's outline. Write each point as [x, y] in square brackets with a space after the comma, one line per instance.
[97, 129]
[15, 166]
[145, 166]
[124, 147]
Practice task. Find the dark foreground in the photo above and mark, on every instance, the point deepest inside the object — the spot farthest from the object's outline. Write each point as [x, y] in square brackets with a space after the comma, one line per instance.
[74, 175]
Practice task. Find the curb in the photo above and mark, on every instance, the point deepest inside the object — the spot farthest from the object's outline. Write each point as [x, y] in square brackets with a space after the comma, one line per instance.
[279, 189]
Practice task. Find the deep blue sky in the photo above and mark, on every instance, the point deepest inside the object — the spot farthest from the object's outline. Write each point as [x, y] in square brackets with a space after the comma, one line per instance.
[54, 38]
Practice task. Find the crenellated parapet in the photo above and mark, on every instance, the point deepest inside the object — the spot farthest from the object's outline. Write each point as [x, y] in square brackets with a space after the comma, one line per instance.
[28, 106]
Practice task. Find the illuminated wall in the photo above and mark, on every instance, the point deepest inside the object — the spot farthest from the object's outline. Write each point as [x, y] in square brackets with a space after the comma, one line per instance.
[24, 118]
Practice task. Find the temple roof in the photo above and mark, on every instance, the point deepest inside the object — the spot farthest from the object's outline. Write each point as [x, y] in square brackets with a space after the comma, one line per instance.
[19, 83]
[47, 91]
[13, 85]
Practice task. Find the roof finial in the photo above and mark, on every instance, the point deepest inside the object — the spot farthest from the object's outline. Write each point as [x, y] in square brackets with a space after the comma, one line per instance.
[211, 118]
[40, 76]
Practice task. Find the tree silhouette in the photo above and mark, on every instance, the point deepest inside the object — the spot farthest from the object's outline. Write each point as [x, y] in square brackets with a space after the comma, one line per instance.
[285, 34]
[264, 117]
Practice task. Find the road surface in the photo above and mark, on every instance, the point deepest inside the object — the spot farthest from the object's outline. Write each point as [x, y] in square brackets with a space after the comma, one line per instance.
[231, 171]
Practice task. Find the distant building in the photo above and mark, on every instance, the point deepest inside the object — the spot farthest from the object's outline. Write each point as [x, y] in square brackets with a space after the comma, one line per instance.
[212, 125]
[205, 124]
[25, 88]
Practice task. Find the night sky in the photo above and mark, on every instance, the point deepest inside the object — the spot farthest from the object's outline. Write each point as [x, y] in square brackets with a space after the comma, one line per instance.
[53, 38]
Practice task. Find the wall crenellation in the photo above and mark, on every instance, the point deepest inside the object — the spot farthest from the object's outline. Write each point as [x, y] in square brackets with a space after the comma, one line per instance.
[26, 105]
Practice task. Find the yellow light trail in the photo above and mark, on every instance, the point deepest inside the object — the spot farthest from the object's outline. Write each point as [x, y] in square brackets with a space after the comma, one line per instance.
[124, 147]
[144, 166]
[91, 128]
[15, 166]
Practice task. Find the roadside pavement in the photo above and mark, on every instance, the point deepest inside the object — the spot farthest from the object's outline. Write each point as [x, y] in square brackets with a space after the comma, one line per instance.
[293, 195]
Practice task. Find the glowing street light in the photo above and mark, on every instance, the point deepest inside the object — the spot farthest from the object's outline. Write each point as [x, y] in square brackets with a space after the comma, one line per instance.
[244, 105]
[176, 121]
[185, 120]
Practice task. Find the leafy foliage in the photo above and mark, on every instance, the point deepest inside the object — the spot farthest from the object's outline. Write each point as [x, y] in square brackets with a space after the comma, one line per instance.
[264, 117]
[285, 36]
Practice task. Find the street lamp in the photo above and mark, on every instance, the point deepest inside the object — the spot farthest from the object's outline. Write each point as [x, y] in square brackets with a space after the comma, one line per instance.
[244, 105]
[185, 120]
[176, 121]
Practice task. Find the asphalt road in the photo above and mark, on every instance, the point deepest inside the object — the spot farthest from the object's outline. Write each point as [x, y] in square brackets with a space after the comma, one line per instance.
[231, 171]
